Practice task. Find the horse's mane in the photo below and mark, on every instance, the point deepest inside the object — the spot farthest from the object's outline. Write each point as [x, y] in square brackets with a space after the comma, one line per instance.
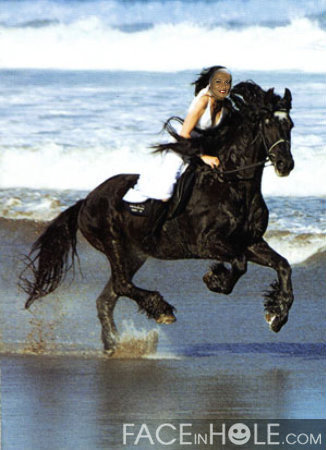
[249, 92]
[253, 95]
[205, 141]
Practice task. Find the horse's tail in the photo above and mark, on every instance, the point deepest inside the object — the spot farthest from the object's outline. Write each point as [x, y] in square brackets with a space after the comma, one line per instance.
[49, 259]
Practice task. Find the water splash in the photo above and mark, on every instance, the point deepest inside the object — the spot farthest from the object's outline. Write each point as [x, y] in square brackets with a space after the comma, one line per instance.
[42, 337]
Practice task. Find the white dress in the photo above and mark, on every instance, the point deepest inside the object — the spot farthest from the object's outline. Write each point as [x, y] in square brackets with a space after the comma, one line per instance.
[158, 183]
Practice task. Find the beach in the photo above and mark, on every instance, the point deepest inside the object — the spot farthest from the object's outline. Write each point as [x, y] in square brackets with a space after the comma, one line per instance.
[84, 91]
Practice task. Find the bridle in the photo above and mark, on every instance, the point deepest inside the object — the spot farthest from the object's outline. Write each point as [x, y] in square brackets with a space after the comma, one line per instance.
[259, 163]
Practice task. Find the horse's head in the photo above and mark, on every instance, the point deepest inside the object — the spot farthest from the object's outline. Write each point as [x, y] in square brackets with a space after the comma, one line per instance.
[272, 115]
[276, 126]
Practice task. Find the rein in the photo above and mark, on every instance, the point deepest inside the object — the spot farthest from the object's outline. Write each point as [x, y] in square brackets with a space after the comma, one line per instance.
[259, 163]
[249, 166]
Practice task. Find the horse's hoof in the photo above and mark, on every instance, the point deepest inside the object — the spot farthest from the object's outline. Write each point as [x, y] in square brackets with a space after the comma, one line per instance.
[270, 318]
[274, 322]
[109, 352]
[167, 319]
[218, 281]
[207, 276]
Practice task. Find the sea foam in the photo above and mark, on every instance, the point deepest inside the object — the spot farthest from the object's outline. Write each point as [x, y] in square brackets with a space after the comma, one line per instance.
[89, 43]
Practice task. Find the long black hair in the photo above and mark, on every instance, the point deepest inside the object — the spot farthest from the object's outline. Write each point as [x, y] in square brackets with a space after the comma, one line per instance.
[204, 77]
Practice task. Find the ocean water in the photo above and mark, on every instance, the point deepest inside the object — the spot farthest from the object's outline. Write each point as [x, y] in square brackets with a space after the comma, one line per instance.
[163, 35]
[64, 132]
[85, 87]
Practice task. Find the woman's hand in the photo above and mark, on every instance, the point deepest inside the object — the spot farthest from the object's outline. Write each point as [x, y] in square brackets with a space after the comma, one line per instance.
[211, 161]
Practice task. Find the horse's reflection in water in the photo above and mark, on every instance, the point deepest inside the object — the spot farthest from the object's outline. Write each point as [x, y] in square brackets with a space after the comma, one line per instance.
[224, 218]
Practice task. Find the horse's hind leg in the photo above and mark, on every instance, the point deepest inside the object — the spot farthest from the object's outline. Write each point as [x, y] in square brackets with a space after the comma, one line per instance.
[279, 300]
[105, 303]
[124, 264]
[105, 306]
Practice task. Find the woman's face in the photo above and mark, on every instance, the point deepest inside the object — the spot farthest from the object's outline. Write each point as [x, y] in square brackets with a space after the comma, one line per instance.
[220, 84]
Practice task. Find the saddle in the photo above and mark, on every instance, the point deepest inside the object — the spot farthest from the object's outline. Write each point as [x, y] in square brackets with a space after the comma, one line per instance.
[173, 207]
[182, 192]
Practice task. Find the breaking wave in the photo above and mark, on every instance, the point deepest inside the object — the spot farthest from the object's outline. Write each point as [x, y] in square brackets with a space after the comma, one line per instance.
[163, 35]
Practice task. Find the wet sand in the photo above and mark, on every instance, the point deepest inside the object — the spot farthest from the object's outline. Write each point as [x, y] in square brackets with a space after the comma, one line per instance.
[219, 360]
[57, 403]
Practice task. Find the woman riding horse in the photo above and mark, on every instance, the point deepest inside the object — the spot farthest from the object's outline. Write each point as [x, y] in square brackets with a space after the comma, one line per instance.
[224, 219]
[206, 111]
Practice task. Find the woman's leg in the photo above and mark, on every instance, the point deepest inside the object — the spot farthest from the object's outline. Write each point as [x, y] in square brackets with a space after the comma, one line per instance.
[158, 182]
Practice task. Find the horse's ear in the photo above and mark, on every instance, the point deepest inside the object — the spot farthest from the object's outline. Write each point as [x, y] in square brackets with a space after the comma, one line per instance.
[287, 98]
[269, 96]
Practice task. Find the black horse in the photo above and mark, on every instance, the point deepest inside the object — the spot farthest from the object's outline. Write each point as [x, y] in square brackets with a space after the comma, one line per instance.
[224, 218]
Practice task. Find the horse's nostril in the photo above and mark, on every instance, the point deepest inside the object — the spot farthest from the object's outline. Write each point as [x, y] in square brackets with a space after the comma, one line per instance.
[284, 166]
[280, 165]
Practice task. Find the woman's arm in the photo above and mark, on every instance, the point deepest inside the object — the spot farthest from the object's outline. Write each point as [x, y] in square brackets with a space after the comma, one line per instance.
[193, 116]
[191, 121]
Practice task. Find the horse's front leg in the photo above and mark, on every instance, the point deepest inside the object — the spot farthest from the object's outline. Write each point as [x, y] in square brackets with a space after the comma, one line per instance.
[221, 279]
[280, 298]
